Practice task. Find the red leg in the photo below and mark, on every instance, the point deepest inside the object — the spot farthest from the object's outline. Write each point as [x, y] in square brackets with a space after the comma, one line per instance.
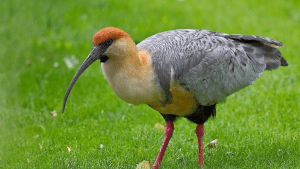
[200, 134]
[168, 134]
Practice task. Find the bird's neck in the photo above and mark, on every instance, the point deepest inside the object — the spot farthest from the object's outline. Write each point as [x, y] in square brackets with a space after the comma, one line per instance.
[123, 56]
[131, 74]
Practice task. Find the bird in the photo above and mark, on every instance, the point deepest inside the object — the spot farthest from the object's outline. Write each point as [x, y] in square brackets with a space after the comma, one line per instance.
[180, 73]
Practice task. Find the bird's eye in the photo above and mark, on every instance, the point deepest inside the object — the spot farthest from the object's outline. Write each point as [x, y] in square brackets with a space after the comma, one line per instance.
[108, 42]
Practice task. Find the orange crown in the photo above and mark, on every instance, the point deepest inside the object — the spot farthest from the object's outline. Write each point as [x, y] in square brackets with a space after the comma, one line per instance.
[109, 33]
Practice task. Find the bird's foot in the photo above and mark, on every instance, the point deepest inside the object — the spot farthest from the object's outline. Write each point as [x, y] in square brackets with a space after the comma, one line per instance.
[155, 166]
[201, 165]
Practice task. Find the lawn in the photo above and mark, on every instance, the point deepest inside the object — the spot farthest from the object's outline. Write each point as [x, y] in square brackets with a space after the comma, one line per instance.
[257, 127]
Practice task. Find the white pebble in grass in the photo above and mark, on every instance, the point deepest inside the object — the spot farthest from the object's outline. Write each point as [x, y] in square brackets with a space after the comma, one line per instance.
[101, 146]
[144, 165]
[71, 61]
[55, 64]
[68, 149]
[229, 153]
[212, 144]
[40, 146]
[53, 113]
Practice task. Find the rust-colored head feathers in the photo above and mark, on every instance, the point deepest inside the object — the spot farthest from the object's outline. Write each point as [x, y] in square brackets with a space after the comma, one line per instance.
[109, 33]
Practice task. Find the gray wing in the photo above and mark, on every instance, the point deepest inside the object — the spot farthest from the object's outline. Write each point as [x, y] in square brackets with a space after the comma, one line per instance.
[211, 65]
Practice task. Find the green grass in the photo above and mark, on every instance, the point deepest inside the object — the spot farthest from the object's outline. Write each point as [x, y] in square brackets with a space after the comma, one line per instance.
[257, 127]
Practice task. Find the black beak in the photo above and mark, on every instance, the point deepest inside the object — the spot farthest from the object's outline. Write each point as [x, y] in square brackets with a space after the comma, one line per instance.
[95, 54]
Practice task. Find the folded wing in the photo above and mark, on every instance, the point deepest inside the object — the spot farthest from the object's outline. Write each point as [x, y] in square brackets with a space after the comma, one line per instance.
[211, 65]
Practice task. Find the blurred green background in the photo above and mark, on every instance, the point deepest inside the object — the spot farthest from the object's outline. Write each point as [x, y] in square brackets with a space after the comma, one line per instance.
[257, 127]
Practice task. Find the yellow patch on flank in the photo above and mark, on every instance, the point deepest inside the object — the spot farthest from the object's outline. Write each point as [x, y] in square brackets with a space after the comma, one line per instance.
[183, 102]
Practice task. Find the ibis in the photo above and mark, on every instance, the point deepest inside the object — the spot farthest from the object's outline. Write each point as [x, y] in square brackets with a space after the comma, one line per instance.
[180, 73]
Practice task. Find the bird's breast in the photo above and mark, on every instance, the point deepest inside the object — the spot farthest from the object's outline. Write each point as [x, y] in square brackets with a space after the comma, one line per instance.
[135, 84]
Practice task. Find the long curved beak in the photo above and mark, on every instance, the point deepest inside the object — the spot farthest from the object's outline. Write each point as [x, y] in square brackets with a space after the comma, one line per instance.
[93, 56]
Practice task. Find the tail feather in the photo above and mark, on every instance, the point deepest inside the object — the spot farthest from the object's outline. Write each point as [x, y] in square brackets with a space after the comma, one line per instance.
[272, 57]
[265, 46]
[283, 62]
